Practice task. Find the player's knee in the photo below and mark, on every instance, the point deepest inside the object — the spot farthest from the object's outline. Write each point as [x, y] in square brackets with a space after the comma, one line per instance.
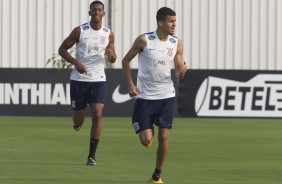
[163, 139]
[97, 114]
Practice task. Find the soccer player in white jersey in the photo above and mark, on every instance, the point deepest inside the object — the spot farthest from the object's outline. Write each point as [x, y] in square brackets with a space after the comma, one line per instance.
[94, 43]
[158, 52]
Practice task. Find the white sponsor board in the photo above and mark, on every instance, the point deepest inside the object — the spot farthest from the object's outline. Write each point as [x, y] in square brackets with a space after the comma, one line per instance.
[261, 96]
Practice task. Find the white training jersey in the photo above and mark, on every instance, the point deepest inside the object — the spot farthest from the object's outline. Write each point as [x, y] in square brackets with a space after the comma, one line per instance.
[155, 63]
[90, 52]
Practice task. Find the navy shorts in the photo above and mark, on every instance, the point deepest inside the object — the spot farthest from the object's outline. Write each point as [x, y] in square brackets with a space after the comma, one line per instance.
[146, 113]
[83, 93]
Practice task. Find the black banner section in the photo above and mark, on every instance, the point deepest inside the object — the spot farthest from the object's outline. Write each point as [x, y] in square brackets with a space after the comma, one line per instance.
[230, 93]
[45, 92]
[202, 93]
[34, 92]
[118, 102]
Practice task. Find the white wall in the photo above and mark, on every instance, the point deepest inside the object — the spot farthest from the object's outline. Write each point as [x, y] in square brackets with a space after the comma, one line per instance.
[217, 34]
[32, 30]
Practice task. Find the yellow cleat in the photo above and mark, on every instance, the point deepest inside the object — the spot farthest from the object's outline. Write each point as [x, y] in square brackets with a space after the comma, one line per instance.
[149, 144]
[156, 181]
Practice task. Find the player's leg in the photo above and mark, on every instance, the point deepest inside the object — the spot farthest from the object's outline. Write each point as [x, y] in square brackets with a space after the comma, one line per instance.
[143, 120]
[161, 154]
[95, 132]
[146, 137]
[97, 98]
[96, 110]
[78, 119]
[161, 151]
[78, 103]
[162, 147]
[164, 121]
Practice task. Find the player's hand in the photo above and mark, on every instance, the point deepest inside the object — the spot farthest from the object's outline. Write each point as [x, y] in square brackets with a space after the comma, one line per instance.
[80, 68]
[133, 91]
[183, 69]
[110, 54]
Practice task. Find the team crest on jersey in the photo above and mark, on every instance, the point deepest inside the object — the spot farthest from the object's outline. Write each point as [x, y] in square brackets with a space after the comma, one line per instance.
[151, 37]
[85, 27]
[105, 29]
[103, 39]
[169, 51]
[172, 40]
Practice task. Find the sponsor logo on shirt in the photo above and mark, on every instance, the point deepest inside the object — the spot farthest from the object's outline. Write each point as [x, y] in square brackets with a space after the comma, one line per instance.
[85, 27]
[172, 40]
[151, 37]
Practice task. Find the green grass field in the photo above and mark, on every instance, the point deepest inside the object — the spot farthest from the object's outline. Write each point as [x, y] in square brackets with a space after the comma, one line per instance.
[39, 150]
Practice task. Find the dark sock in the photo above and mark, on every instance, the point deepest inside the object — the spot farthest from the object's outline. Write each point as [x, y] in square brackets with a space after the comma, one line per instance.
[157, 174]
[93, 147]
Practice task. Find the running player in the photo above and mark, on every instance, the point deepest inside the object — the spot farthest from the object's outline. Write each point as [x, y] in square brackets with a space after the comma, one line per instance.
[94, 43]
[158, 52]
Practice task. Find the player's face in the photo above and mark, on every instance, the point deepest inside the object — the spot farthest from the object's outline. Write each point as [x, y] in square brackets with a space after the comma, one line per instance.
[169, 24]
[97, 12]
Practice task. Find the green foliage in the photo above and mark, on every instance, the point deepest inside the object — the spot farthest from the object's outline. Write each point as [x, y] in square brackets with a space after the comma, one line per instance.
[60, 63]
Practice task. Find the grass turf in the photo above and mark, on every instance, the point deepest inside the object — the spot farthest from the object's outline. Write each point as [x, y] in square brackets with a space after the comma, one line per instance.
[202, 151]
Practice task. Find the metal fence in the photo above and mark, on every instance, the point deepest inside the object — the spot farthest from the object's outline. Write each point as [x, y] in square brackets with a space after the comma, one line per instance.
[217, 34]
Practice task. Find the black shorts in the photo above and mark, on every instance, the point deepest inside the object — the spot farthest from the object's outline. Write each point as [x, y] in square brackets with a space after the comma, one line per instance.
[149, 112]
[83, 93]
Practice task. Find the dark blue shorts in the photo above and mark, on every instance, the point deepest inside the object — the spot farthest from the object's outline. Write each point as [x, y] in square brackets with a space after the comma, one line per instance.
[146, 113]
[83, 93]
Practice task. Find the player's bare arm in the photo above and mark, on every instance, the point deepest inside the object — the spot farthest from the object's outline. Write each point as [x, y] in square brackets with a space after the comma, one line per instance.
[110, 50]
[180, 66]
[67, 44]
[138, 45]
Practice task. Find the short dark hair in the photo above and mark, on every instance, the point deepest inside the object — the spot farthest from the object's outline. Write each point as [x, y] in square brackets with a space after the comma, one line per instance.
[164, 12]
[96, 2]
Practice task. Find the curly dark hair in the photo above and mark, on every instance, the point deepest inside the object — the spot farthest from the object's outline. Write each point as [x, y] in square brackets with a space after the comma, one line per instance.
[96, 2]
[164, 12]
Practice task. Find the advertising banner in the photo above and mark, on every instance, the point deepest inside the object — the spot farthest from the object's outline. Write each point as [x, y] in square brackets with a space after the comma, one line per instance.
[230, 93]
[45, 92]
[202, 93]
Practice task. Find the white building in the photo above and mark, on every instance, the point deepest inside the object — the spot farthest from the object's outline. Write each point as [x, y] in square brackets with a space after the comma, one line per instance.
[217, 34]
